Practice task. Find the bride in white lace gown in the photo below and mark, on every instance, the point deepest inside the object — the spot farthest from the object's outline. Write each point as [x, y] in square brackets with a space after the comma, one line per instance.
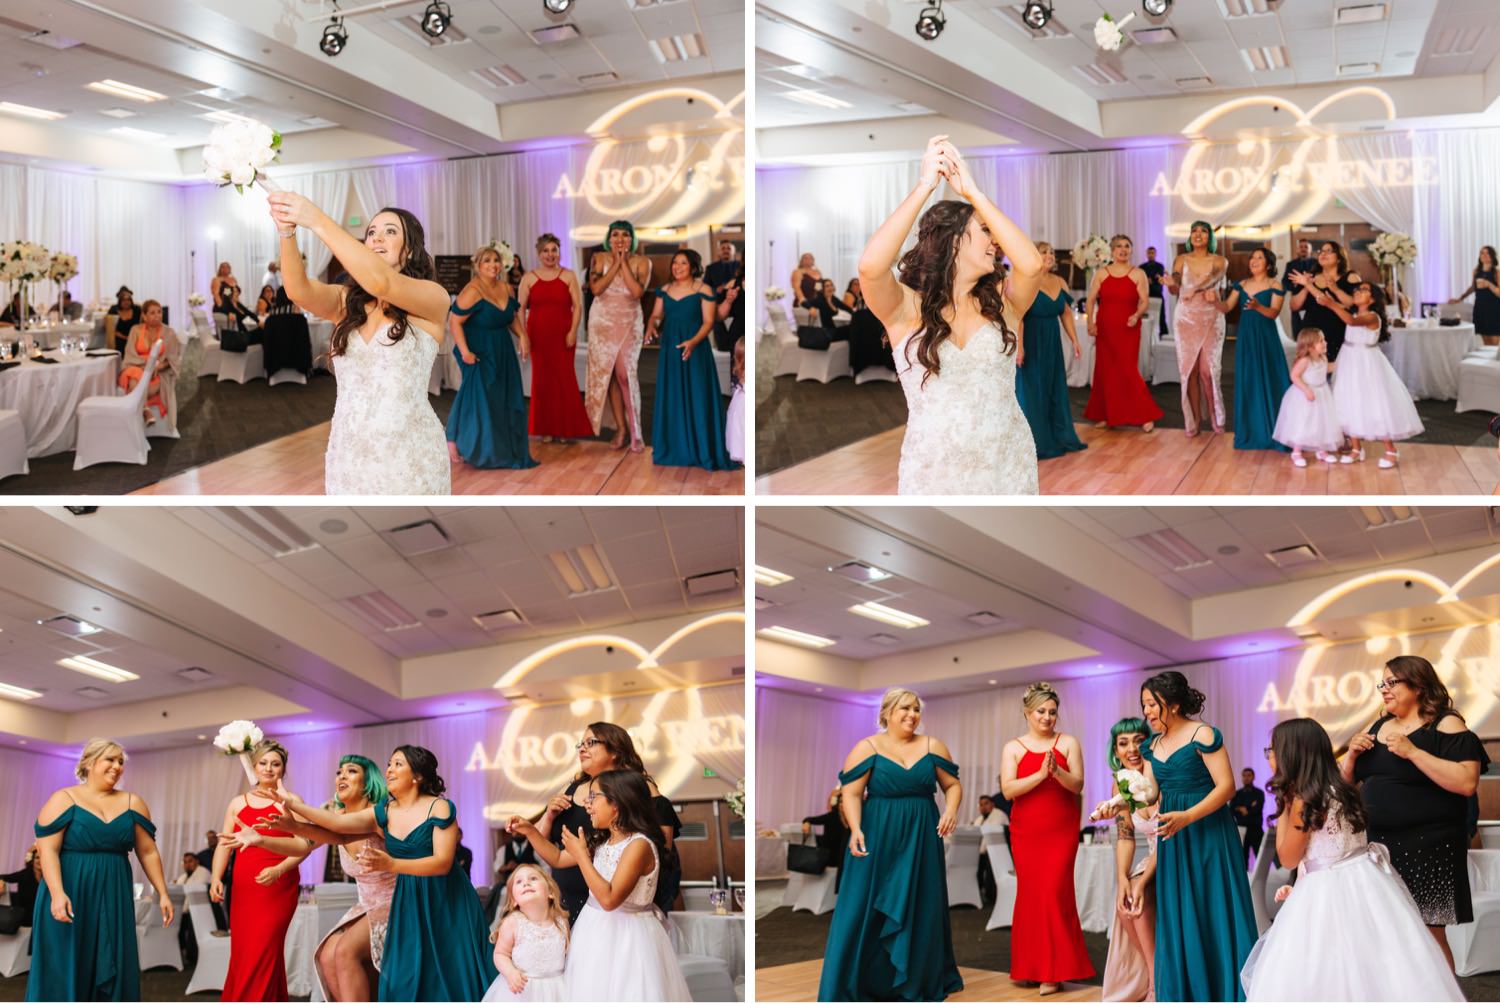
[955, 334]
[388, 319]
[1349, 929]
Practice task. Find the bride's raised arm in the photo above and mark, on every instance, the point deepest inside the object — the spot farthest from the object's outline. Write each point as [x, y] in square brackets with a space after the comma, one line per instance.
[893, 303]
[1026, 268]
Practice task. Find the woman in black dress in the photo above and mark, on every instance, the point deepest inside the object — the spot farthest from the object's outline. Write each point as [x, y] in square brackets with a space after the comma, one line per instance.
[835, 835]
[1417, 767]
[1485, 287]
[826, 301]
[121, 317]
[1334, 277]
[607, 746]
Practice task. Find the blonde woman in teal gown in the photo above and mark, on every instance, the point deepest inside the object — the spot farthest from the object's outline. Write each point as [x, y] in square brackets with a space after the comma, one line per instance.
[83, 943]
[1205, 927]
[890, 938]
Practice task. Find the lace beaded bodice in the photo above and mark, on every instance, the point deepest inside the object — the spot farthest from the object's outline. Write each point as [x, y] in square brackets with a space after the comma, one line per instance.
[1334, 841]
[541, 949]
[607, 859]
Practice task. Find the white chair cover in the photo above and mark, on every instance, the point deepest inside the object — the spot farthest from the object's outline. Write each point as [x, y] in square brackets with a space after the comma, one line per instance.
[962, 867]
[707, 978]
[12, 444]
[213, 952]
[113, 429]
[1005, 885]
[825, 366]
[157, 944]
[242, 367]
[15, 952]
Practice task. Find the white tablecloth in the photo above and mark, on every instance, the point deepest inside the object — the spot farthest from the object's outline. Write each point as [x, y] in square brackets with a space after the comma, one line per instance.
[321, 332]
[1427, 358]
[1484, 869]
[48, 337]
[770, 857]
[47, 397]
[1081, 370]
[1094, 885]
[711, 934]
[301, 948]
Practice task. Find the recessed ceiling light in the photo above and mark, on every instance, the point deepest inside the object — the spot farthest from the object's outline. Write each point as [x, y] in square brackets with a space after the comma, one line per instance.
[885, 614]
[581, 570]
[555, 33]
[17, 692]
[795, 637]
[133, 133]
[119, 113]
[97, 669]
[130, 91]
[766, 576]
[69, 625]
[227, 117]
[30, 112]
[815, 98]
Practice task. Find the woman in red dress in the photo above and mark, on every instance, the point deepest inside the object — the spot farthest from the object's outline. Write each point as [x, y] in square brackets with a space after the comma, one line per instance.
[1042, 774]
[264, 897]
[551, 304]
[1117, 301]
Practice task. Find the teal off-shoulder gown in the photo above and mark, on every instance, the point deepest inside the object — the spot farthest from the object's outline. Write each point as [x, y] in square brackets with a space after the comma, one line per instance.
[436, 944]
[94, 957]
[1205, 926]
[687, 426]
[1260, 374]
[488, 419]
[1042, 378]
[890, 938]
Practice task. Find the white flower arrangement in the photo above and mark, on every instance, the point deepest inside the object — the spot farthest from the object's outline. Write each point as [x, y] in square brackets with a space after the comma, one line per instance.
[736, 799]
[196, 299]
[1091, 252]
[1108, 34]
[237, 738]
[775, 294]
[237, 151]
[1394, 249]
[62, 267]
[507, 254]
[24, 261]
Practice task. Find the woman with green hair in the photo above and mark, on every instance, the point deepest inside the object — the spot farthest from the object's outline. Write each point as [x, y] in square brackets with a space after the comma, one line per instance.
[1132, 934]
[617, 277]
[1198, 327]
[348, 958]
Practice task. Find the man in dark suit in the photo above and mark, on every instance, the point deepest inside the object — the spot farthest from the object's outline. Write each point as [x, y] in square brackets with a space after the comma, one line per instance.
[722, 269]
[1305, 262]
[1154, 271]
[514, 851]
[1249, 808]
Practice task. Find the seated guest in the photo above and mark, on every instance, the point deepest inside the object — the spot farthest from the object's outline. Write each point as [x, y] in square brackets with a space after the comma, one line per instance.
[265, 301]
[193, 873]
[854, 297]
[835, 835]
[826, 301]
[123, 316]
[70, 310]
[26, 880]
[988, 814]
[288, 341]
[12, 314]
[162, 393]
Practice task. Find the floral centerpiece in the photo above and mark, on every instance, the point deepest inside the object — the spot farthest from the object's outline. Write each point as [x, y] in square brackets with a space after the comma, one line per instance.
[1090, 253]
[237, 151]
[22, 263]
[1393, 252]
[736, 799]
[775, 294]
[237, 738]
[62, 269]
[196, 299]
[1108, 34]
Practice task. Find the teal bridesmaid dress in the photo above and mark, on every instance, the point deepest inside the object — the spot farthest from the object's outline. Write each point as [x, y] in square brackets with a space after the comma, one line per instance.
[1042, 378]
[687, 426]
[1260, 374]
[1205, 926]
[436, 944]
[94, 957]
[890, 938]
[488, 419]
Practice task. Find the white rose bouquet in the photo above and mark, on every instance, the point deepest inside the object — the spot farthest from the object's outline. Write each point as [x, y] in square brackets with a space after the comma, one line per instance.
[1091, 252]
[1134, 789]
[736, 799]
[237, 738]
[237, 151]
[1108, 34]
[775, 294]
[1394, 250]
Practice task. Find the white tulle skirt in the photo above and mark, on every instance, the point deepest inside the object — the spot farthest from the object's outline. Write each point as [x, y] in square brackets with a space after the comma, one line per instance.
[548, 989]
[1372, 401]
[1348, 932]
[624, 956]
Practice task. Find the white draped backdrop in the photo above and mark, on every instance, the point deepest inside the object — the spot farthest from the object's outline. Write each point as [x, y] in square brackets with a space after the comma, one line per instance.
[527, 756]
[832, 211]
[801, 741]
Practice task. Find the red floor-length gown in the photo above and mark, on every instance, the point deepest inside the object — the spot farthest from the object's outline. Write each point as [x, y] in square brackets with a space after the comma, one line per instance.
[1118, 395]
[258, 919]
[1046, 939]
[556, 405]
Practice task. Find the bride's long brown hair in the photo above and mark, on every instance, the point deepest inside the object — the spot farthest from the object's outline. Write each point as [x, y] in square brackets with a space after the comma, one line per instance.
[929, 268]
[417, 263]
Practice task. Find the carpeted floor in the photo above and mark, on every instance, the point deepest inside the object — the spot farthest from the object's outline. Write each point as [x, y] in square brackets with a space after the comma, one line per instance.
[801, 421]
[785, 937]
[220, 419]
[156, 984]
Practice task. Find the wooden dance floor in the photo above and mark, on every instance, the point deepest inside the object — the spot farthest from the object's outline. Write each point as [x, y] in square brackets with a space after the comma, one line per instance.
[800, 982]
[1166, 462]
[293, 465]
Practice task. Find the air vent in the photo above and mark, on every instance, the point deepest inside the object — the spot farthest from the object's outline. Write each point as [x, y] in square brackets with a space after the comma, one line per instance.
[1154, 36]
[70, 626]
[416, 538]
[591, 79]
[1291, 557]
[380, 611]
[499, 76]
[678, 48]
[556, 33]
[269, 530]
[91, 693]
[1453, 42]
[1361, 14]
[317, 122]
[1194, 83]
[1100, 76]
[884, 640]
[195, 674]
[858, 571]
[693, 832]
[500, 619]
[912, 108]
[1358, 69]
[712, 582]
[985, 619]
[737, 829]
[50, 39]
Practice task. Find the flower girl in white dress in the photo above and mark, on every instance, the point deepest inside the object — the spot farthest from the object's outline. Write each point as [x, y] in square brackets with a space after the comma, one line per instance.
[531, 943]
[619, 949]
[1350, 930]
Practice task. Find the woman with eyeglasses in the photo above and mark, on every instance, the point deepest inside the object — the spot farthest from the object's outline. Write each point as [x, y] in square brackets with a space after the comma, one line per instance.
[1416, 767]
[605, 747]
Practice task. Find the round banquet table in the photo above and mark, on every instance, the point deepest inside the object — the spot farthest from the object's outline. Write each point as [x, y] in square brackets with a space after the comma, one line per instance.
[48, 336]
[1094, 885]
[47, 397]
[711, 934]
[1427, 357]
[321, 332]
[770, 857]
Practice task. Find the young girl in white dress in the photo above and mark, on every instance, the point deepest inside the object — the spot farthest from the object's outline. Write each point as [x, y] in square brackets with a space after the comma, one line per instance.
[619, 949]
[1308, 418]
[1350, 930]
[1372, 401]
[531, 942]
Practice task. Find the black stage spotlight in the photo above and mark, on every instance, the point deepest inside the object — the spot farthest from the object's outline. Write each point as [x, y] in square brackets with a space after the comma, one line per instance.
[436, 18]
[1037, 14]
[930, 22]
[335, 37]
[1156, 8]
[557, 6]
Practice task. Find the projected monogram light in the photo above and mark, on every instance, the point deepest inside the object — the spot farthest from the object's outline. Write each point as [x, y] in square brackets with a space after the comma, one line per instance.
[1282, 182]
[672, 181]
[1346, 700]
